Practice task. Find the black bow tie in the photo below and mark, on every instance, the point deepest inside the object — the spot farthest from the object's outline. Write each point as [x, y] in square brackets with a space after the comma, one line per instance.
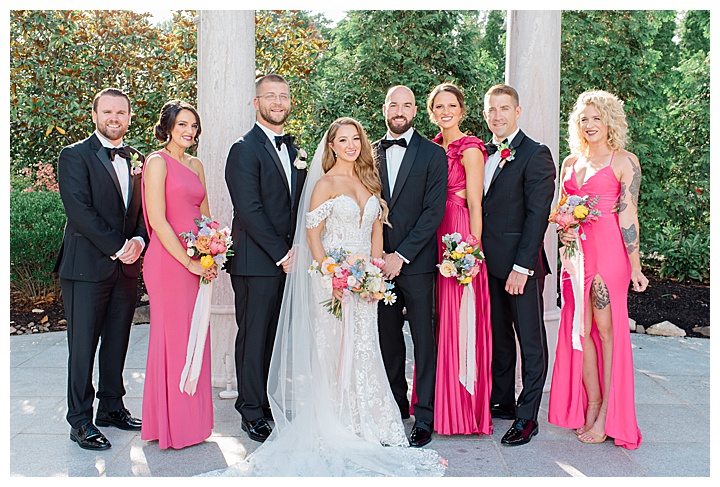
[125, 152]
[391, 142]
[492, 148]
[286, 139]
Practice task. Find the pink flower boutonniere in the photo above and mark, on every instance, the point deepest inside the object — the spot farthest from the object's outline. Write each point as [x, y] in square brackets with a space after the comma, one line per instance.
[301, 160]
[507, 152]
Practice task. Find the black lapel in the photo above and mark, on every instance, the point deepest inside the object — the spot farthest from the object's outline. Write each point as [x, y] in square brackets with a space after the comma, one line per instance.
[382, 169]
[270, 148]
[102, 154]
[405, 166]
[292, 152]
[515, 143]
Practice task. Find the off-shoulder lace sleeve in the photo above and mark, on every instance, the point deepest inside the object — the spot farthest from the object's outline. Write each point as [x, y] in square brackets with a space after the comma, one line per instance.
[315, 217]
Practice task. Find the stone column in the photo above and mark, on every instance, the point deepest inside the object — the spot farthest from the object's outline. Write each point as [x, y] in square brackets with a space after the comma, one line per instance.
[533, 69]
[226, 87]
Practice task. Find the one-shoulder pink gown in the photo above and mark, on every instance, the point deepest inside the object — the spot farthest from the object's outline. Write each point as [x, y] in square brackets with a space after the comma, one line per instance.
[605, 255]
[170, 416]
[457, 411]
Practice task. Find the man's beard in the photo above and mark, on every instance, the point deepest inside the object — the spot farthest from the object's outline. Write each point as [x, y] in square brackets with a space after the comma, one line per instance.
[399, 127]
[267, 115]
[114, 134]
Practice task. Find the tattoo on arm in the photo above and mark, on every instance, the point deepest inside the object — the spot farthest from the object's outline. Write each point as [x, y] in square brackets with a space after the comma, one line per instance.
[630, 237]
[621, 205]
[635, 183]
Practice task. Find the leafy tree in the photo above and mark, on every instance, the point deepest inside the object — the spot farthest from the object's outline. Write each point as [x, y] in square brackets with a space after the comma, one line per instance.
[59, 59]
[371, 51]
[290, 43]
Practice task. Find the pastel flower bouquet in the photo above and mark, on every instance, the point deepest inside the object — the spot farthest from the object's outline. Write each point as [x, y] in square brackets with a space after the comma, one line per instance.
[461, 258]
[210, 244]
[353, 273]
[570, 212]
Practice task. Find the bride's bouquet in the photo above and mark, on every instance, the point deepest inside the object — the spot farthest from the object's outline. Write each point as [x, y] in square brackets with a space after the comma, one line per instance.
[354, 274]
[461, 258]
[570, 212]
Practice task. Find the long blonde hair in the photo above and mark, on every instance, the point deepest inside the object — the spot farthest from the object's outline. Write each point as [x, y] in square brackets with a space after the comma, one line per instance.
[365, 166]
[612, 115]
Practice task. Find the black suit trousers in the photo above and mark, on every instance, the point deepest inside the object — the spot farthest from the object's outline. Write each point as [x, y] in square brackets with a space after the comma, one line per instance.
[520, 314]
[97, 312]
[416, 293]
[257, 309]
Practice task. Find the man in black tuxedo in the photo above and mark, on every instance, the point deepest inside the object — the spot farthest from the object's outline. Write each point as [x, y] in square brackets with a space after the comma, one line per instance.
[414, 177]
[519, 188]
[265, 186]
[98, 266]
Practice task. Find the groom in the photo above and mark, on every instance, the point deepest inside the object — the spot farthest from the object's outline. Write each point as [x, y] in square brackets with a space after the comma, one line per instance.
[414, 177]
[265, 188]
[519, 187]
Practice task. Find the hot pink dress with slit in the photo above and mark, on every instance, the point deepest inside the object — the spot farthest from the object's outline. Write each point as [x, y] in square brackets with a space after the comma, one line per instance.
[457, 411]
[170, 416]
[605, 255]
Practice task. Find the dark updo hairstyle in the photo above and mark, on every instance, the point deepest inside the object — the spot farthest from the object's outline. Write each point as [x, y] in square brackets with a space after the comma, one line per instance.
[168, 114]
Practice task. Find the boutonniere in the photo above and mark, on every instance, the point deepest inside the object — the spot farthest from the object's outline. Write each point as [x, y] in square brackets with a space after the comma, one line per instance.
[136, 164]
[507, 152]
[301, 160]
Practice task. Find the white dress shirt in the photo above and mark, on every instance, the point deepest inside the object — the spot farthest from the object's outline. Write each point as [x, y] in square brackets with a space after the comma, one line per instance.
[282, 153]
[394, 156]
[493, 161]
[123, 175]
[284, 156]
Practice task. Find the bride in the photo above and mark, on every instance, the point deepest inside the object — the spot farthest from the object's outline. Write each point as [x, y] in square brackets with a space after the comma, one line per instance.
[334, 412]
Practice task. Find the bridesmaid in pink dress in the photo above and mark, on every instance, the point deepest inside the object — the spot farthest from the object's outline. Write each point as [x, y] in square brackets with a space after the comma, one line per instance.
[593, 387]
[173, 196]
[461, 409]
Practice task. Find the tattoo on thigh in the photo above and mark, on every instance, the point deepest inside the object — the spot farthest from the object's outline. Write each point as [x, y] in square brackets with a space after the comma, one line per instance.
[600, 294]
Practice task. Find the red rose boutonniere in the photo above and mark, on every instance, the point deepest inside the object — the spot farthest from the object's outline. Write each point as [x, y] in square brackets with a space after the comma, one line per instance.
[507, 152]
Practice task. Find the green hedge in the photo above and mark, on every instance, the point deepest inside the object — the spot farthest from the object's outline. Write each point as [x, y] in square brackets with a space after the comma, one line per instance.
[37, 220]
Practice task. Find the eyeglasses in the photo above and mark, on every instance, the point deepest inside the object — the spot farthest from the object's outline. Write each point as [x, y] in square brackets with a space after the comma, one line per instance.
[270, 97]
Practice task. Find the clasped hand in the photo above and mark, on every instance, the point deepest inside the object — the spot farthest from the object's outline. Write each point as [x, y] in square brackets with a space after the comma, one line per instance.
[393, 265]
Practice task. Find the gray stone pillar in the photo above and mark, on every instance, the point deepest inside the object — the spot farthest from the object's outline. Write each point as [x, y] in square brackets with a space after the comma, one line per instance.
[533, 69]
[226, 87]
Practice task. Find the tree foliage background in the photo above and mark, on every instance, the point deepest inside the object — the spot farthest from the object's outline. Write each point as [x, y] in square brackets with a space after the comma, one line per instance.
[658, 62]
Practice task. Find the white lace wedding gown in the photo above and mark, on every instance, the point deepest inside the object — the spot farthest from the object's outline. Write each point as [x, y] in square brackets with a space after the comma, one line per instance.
[334, 412]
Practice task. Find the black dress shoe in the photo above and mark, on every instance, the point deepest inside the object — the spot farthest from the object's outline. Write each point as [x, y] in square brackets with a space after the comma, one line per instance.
[257, 429]
[267, 414]
[421, 434]
[120, 419]
[502, 411]
[89, 437]
[520, 432]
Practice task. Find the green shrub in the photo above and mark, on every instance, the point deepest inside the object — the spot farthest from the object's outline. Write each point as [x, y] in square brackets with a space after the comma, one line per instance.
[678, 256]
[37, 220]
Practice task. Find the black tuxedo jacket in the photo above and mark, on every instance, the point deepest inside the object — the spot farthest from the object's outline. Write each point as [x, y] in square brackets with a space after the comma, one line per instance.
[97, 221]
[516, 209]
[264, 215]
[417, 205]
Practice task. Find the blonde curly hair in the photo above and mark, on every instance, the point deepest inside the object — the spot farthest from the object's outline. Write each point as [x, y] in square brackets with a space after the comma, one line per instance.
[612, 115]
